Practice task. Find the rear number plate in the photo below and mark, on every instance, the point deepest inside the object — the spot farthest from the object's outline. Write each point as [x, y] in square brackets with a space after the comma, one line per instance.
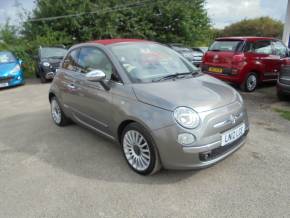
[215, 70]
[2, 85]
[233, 134]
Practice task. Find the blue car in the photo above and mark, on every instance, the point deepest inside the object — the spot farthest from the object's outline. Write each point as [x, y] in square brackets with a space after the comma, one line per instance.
[11, 73]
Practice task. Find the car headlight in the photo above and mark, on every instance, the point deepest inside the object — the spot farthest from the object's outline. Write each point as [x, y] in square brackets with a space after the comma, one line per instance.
[46, 64]
[15, 70]
[186, 117]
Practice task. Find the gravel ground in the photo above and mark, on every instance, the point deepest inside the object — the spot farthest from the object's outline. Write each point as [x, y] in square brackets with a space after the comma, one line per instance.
[47, 171]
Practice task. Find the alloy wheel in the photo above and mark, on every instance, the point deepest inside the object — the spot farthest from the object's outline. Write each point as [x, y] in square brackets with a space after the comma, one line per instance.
[136, 150]
[251, 82]
[55, 111]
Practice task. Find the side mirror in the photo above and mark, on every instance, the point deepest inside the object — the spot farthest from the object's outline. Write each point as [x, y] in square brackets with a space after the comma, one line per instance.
[95, 76]
[20, 62]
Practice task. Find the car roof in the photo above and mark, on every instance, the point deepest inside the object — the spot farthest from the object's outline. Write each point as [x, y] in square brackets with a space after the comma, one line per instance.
[114, 41]
[248, 38]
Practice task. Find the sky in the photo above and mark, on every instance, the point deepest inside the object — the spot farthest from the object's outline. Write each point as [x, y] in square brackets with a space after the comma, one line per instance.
[221, 12]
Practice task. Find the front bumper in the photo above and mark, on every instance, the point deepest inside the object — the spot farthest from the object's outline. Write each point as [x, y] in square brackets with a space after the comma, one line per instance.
[207, 149]
[49, 75]
[283, 88]
[9, 81]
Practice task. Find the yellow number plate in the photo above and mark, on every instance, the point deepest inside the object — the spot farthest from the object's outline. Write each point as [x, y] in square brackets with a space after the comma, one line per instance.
[215, 70]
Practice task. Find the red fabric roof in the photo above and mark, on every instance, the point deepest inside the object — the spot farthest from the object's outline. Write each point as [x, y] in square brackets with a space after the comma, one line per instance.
[113, 41]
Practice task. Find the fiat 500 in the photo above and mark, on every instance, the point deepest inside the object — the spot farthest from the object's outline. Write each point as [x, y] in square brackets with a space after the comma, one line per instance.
[152, 101]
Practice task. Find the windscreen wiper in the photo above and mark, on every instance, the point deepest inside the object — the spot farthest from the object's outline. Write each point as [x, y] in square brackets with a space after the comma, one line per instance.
[175, 75]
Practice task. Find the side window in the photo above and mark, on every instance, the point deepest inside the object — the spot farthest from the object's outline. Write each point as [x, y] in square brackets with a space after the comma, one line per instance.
[262, 47]
[71, 61]
[280, 49]
[92, 58]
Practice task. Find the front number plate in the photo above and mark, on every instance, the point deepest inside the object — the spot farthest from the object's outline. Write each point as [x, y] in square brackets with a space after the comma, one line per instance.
[233, 134]
[2, 85]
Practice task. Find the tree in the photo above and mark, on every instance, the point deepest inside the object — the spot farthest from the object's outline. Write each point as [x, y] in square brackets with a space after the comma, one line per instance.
[183, 21]
[8, 33]
[263, 26]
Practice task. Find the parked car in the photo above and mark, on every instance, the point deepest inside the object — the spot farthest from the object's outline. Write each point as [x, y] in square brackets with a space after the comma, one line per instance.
[283, 83]
[194, 56]
[246, 61]
[11, 72]
[200, 49]
[48, 60]
[152, 101]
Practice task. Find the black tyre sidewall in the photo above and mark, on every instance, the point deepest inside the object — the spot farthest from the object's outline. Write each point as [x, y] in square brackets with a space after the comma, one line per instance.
[151, 145]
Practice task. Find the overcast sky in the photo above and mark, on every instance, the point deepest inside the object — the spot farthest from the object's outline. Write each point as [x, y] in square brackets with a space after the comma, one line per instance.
[221, 12]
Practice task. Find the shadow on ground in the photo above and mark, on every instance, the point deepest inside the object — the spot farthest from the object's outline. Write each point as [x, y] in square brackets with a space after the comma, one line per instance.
[73, 149]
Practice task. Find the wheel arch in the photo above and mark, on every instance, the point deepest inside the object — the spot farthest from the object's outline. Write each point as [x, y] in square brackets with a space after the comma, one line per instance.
[50, 96]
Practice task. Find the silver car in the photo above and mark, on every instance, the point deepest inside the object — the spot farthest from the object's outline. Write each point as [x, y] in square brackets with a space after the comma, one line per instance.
[151, 100]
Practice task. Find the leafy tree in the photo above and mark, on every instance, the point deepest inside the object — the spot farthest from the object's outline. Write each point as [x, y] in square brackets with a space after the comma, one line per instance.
[263, 26]
[184, 21]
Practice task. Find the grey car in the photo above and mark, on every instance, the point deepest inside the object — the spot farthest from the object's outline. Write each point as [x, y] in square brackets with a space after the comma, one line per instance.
[152, 101]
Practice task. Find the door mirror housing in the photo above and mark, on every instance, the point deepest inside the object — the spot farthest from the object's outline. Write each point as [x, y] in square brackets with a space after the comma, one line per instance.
[96, 76]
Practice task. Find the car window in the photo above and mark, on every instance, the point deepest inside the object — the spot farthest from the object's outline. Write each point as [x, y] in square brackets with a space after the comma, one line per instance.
[280, 49]
[226, 45]
[52, 52]
[7, 57]
[146, 62]
[92, 58]
[71, 61]
[262, 47]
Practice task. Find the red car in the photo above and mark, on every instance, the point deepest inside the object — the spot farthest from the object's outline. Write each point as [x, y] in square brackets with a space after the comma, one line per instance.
[246, 61]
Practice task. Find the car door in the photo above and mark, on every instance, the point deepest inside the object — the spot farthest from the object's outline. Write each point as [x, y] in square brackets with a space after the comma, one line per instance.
[281, 52]
[264, 56]
[70, 75]
[95, 106]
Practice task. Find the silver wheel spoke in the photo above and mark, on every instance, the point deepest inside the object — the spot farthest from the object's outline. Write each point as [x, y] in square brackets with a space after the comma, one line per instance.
[55, 111]
[136, 150]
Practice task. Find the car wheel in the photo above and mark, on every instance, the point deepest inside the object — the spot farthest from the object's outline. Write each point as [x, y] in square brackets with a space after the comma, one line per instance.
[57, 114]
[139, 150]
[250, 83]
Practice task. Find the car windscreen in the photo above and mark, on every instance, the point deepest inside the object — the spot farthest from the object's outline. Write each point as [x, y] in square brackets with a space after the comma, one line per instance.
[226, 45]
[7, 57]
[52, 52]
[146, 62]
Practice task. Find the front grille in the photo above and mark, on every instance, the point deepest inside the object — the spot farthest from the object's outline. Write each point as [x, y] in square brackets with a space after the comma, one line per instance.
[5, 79]
[217, 152]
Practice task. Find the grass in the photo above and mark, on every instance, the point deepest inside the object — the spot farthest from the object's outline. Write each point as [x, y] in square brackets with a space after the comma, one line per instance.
[283, 113]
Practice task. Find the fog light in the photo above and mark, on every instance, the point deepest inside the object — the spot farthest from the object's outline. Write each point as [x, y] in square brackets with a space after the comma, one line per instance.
[185, 138]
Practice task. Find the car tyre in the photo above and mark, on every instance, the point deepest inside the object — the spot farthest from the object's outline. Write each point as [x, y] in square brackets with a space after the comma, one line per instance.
[139, 150]
[281, 96]
[57, 114]
[250, 84]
